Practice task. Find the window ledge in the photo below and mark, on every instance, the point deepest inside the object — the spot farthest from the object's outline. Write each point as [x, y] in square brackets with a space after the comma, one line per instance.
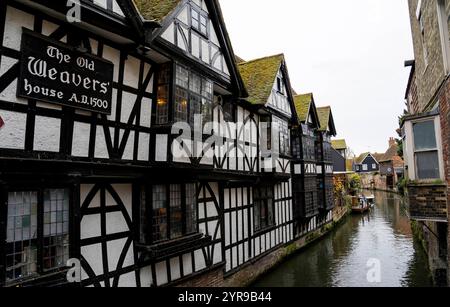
[169, 248]
[428, 183]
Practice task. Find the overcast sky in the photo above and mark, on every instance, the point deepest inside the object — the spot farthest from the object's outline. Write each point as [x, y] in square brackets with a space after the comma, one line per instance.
[349, 53]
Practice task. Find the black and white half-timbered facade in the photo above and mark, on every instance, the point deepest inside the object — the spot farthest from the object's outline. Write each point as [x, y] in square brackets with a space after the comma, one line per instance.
[134, 147]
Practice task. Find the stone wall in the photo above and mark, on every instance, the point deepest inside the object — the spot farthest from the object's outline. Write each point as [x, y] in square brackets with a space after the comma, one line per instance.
[428, 202]
[430, 75]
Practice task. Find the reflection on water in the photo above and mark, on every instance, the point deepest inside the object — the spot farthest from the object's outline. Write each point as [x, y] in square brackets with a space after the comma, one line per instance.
[341, 258]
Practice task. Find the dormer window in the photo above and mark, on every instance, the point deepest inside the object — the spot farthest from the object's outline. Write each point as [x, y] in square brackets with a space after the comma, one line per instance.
[199, 22]
[280, 86]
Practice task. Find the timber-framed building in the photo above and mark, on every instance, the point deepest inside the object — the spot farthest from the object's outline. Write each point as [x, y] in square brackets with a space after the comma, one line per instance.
[107, 155]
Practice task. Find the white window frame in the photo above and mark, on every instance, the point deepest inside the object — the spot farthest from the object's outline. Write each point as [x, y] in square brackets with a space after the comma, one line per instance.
[374, 166]
[410, 153]
[365, 167]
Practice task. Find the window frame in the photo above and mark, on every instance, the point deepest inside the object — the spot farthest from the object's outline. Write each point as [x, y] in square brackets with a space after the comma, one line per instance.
[409, 144]
[146, 213]
[41, 271]
[201, 96]
[198, 29]
[427, 150]
[265, 202]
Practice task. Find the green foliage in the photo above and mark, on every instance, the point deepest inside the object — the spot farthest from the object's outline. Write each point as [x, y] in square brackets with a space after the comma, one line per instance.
[400, 147]
[354, 184]
[401, 185]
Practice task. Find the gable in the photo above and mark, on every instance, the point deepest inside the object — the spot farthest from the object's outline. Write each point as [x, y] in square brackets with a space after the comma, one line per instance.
[326, 120]
[191, 29]
[259, 76]
[279, 96]
[369, 160]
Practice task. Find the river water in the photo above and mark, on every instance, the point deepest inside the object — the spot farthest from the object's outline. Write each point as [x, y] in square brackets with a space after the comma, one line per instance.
[372, 250]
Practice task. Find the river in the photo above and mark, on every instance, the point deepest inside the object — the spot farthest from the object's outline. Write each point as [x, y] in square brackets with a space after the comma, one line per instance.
[372, 250]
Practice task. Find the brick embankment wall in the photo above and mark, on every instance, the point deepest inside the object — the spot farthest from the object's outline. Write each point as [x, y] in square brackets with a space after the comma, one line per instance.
[428, 201]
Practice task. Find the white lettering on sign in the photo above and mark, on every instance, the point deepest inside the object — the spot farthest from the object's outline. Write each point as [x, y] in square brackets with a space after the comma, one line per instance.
[55, 53]
[55, 73]
[39, 68]
[85, 63]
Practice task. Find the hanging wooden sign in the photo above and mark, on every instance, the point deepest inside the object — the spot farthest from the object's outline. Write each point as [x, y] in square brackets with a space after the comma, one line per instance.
[57, 73]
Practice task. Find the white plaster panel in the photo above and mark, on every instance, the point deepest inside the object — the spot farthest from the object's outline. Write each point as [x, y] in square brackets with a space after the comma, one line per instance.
[161, 273]
[161, 148]
[15, 21]
[199, 260]
[115, 223]
[115, 250]
[132, 69]
[217, 253]
[101, 150]
[144, 146]
[47, 134]
[125, 193]
[80, 143]
[84, 191]
[92, 255]
[128, 103]
[169, 34]
[175, 272]
[12, 135]
[127, 280]
[146, 277]
[146, 112]
[90, 226]
[129, 147]
[187, 264]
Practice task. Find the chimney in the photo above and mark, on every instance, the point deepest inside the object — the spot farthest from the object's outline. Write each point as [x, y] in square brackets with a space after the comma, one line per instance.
[392, 142]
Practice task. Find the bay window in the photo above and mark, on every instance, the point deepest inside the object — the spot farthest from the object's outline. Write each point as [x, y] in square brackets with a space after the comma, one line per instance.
[192, 95]
[168, 212]
[425, 150]
[283, 135]
[422, 147]
[37, 232]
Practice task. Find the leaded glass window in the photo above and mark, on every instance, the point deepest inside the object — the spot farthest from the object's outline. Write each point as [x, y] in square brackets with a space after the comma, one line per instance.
[29, 211]
[173, 212]
[162, 100]
[263, 208]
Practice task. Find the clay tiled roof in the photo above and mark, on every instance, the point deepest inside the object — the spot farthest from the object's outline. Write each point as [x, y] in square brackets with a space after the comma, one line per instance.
[259, 76]
[155, 10]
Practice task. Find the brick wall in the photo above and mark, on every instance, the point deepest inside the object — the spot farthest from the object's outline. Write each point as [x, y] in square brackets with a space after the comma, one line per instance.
[211, 279]
[444, 106]
[428, 201]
